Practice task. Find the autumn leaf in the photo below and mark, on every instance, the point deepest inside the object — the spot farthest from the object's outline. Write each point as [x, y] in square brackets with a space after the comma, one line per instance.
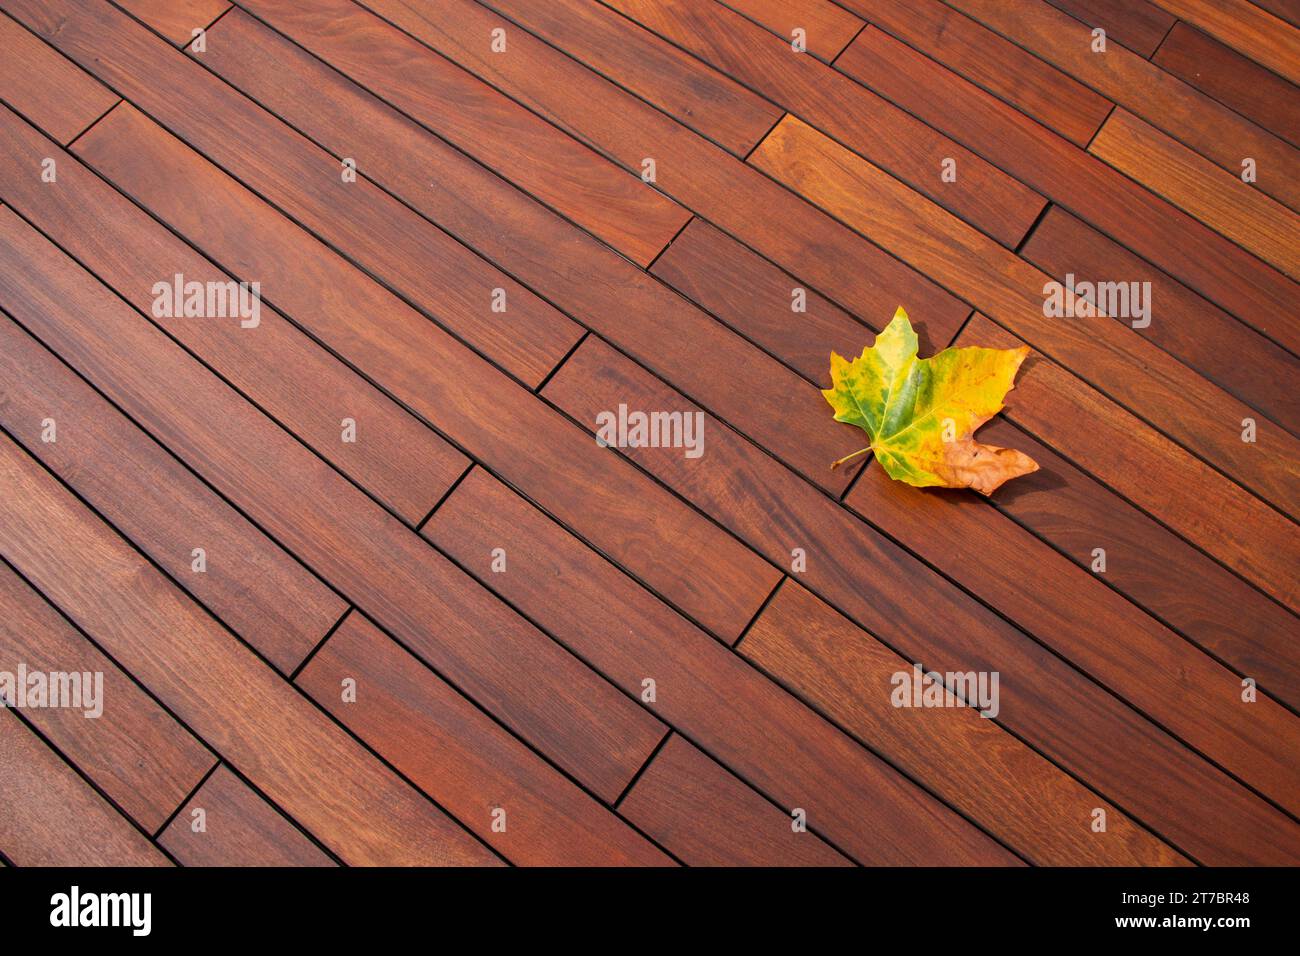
[920, 414]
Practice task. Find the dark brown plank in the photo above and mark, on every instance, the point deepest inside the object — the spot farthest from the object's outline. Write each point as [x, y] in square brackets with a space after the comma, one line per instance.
[827, 26]
[395, 457]
[1137, 24]
[702, 176]
[1220, 200]
[134, 750]
[1060, 503]
[709, 102]
[987, 60]
[984, 196]
[236, 828]
[463, 760]
[1288, 10]
[1186, 249]
[923, 617]
[707, 817]
[52, 817]
[250, 715]
[964, 757]
[440, 274]
[1246, 28]
[46, 88]
[258, 590]
[176, 19]
[1227, 352]
[379, 564]
[1232, 79]
[599, 288]
[702, 689]
[1160, 98]
[1169, 395]
[520, 438]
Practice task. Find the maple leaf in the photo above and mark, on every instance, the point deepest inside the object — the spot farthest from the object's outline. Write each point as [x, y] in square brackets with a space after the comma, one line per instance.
[920, 413]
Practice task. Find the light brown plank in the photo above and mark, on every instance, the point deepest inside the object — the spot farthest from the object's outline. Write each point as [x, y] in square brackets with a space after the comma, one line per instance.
[176, 19]
[1246, 28]
[827, 26]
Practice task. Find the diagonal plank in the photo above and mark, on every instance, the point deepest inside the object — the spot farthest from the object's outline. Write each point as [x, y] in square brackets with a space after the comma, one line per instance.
[52, 817]
[257, 590]
[1063, 505]
[827, 26]
[379, 565]
[984, 196]
[1221, 201]
[887, 591]
[1176, 242]
[396, 458]
[176, 20]
[134, 751]
[246, 712]
[238, 828]
[1160, 98]
[1168, 394]
[1138, 24]
[464, 761]
[46, 88]
[1246, 28]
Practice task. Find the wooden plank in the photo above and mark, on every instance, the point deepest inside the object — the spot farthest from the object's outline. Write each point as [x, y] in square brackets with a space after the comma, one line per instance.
[704, 177]
[258, 590]
[250, 715]
[888, 592]
[442, 276]
[981, 194]
[691, 804]
[1060, 503]
[1054, 99]
[827, 26]
[1137, 24]
[463, 760]
[395, 457]
[176, 20]
[709, 102]
[236, 827]
[380, 565]
[52, 817]
[963, 756]
[709, 694]
[611, 203]
[134, 750]
[1288, 10]
[1170, 396]
[1087, 187]
[1195, 185]
[47, 88]
[1232, 79]
[1160, 98]
[1246, 28]
[601, 289]
[1227, 352]
[522, 439]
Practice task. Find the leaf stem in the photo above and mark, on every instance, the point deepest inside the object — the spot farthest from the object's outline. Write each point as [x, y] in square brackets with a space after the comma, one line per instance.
[860, 451]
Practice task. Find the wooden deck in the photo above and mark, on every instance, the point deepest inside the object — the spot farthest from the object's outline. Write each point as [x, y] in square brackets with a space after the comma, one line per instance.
[364, 589]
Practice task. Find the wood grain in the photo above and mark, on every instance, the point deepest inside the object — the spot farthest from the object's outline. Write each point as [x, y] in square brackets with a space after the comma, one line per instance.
[919, 614]
[1247, 29]
[47, 88]
[702, 689]
[1053, 98]
[1233, 80]
[377, 563]
[707, 817]
[827, 26]
[1138, 24]
[239, 828]
[176, 20]
[1230, 206]
[134, 751]
[52, 817]
[885, 135]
